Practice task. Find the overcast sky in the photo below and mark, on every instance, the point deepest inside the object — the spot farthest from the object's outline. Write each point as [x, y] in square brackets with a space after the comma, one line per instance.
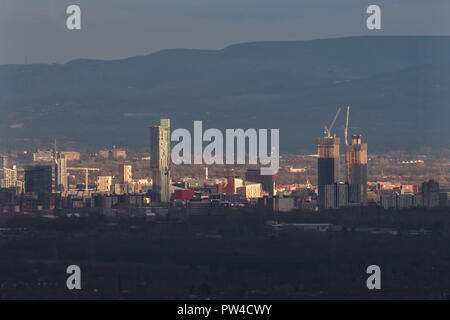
[34, 31]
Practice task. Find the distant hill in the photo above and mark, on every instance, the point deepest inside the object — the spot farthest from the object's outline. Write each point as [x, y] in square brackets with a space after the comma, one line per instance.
[398, 89]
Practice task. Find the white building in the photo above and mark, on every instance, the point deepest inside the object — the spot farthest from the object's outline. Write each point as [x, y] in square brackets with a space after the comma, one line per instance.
[43, 156]
[104, 183]
[250, 191]
[61, 177]
[8, 179]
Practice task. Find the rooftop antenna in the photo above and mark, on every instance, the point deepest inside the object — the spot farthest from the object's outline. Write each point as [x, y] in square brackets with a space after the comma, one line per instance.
[328, 130]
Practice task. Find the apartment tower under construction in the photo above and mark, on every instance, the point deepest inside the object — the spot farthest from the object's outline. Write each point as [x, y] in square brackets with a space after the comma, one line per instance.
[356, 165]
[327, 165]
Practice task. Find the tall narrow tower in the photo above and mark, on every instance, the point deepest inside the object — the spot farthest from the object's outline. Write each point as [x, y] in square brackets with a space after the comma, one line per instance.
[61, 177]
[327, 165]
[3, 162]
[125, 173]
[356, 157]
[160, 161]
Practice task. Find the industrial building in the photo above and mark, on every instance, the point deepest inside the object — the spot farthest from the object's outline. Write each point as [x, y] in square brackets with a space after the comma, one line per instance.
[61, 177]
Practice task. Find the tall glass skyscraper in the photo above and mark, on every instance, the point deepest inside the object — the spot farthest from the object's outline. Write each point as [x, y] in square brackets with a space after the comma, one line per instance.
[327, 165]
[356, 157]
[160, 161]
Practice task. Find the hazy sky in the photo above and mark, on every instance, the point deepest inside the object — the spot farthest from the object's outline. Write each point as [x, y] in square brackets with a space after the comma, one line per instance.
[34, 31]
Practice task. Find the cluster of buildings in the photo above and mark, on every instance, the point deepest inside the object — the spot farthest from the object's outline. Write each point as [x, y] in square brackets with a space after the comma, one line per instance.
[45, 186]
[8, 175]
[332, 191]
[49, 155]
[201, 195]
[427, 195]
[114, 153]
[123, 183]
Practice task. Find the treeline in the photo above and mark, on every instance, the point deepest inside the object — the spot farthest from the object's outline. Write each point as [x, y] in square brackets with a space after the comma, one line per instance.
[233, 256]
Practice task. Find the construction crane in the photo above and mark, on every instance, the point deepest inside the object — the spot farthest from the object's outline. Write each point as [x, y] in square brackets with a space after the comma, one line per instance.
[346, 126]
[347, 160]
[86, 174]
[328, 130]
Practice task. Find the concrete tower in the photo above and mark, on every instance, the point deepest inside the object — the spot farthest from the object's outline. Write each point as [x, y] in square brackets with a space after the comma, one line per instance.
[356, 157]
[160, 161]
[61, 177]
[3, 162]
[125, 173]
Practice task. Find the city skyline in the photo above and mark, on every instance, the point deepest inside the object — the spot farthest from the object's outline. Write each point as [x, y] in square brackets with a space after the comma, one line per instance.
[333, 191]
[225, 155]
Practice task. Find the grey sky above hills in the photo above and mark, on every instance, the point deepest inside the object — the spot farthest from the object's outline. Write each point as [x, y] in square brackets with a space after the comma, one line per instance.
[35, 31]
[397, 88]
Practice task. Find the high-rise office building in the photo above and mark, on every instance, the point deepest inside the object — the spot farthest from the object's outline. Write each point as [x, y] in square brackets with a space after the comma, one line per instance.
[356, 166]
[125, 173]
[355, 193]
[160, 161]
[327, 165]
[38, 178]
[430, 194]
[61, 177]
[3, 162]
[328, 194]
[335, 195]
